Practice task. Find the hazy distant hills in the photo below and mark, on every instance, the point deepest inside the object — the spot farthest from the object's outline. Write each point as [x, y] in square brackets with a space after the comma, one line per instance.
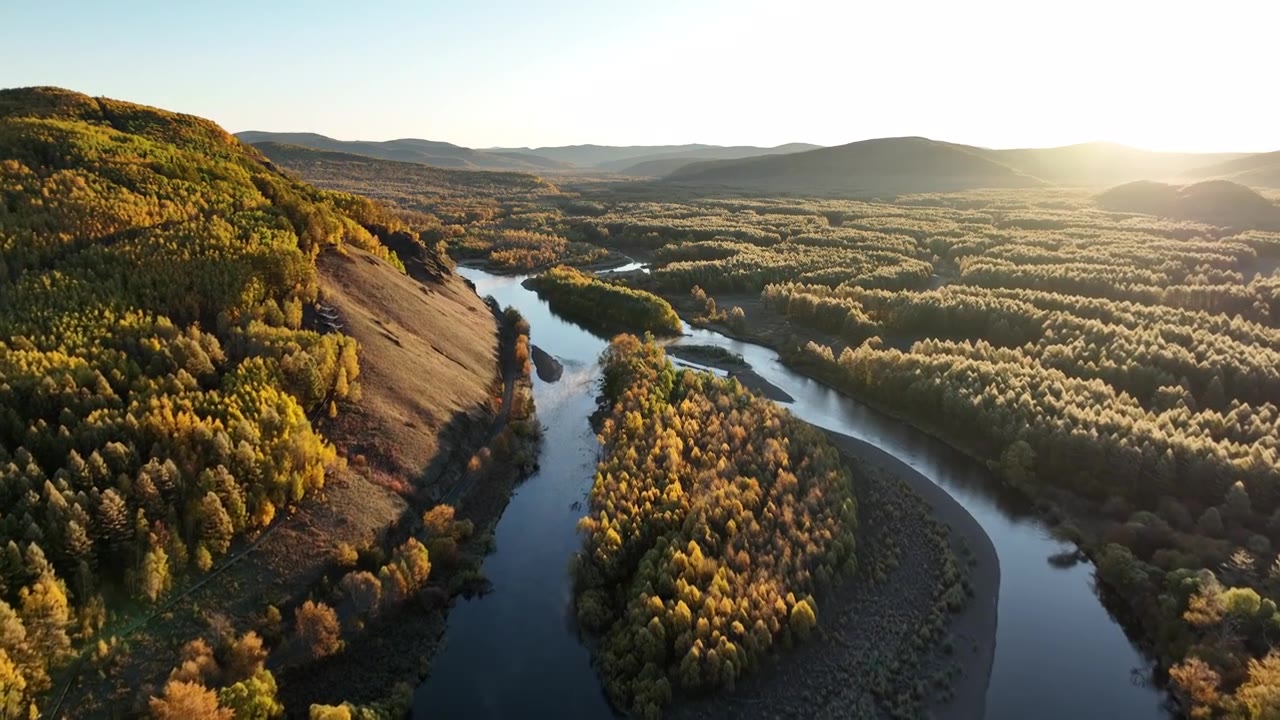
[909, 165]
[654, 160]
[648, 160]
[411, 185]
[587, 156]
[426, 152]
[1101, 164]
[664, 163]
[883, 166]
[1216, 202]
[1261, 170]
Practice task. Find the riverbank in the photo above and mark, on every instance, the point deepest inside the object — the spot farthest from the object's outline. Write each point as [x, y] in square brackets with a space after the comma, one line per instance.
[1113, 660]
[975, 624]
[734, 365]
[867, 659]
[614, 261]
[394, 649]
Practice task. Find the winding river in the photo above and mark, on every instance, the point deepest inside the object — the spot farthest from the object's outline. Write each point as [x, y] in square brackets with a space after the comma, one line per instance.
[514, 652]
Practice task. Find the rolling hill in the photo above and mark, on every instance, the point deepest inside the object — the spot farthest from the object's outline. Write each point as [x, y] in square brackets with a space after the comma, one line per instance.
[666, 163]
[426, 152]
[1216, 202]
[888, 166]
[1261, 170]
[1100, 164]
[593, 156]
[623, 159]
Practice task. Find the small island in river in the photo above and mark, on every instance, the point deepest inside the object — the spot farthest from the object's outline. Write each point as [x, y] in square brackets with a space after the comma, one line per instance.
[549, 368]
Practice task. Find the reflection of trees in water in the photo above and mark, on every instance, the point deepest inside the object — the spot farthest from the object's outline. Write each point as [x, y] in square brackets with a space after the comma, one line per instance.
[1067, 559]
[1149, 674]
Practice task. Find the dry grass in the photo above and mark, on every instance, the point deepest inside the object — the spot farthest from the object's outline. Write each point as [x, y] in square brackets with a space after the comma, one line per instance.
[428, 366]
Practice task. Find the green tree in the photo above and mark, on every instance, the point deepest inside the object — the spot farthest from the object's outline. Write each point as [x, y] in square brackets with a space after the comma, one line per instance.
[253, 698]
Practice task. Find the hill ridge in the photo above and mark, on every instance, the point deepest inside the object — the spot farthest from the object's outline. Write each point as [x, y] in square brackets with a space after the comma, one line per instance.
[419, 150]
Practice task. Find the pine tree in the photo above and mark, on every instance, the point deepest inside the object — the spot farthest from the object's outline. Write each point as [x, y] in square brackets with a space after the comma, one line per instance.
[216, 528]
[115, 528]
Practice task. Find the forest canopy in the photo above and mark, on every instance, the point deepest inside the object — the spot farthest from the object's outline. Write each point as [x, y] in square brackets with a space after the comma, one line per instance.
[714, 517]
[603, 306]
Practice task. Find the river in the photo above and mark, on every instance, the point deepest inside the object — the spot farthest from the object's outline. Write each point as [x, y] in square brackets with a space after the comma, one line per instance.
[514, 652]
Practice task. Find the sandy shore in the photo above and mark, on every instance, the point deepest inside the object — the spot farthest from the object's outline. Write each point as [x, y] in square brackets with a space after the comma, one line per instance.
[868, 626]
[976, 623]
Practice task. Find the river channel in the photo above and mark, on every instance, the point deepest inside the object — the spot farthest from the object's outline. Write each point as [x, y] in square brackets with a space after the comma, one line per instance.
[515, 653]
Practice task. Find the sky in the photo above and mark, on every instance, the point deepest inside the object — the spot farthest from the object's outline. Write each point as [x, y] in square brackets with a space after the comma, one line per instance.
[1171, 75]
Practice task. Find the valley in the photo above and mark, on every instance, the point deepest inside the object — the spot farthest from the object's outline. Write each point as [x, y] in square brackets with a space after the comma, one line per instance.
[898, 428]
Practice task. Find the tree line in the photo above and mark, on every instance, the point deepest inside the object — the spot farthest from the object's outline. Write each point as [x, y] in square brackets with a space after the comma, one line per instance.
[604, 306]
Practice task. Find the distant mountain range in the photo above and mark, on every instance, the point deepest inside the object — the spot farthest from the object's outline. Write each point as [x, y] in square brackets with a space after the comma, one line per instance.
[426, 152]
[871, 167]
[892, 166]
[650, 160]
[1261, 170]
[1101, 163]
[884, 166]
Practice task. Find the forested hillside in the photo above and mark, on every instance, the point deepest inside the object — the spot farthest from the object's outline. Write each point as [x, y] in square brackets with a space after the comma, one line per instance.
[156, 379]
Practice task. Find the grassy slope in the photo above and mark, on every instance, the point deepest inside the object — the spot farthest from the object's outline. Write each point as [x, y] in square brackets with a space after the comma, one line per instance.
[429, 359]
